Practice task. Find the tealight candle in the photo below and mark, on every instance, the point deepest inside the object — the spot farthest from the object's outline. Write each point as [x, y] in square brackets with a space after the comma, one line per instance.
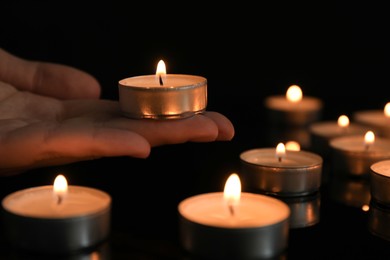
[281, 172]
[380, 181]
[378, 120]
[234, 224]
[163, 96]
[322, 132]
[353, 155]
[293, 108]
[57, 219]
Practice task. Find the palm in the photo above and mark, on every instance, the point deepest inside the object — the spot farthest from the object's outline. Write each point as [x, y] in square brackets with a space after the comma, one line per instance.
[37, 130]
[51, 114]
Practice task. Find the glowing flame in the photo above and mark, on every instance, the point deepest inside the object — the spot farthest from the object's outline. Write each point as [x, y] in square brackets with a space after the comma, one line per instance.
[343, 121]
[280, 151]
[293, 146]
[294, 94]
[387, 109]
[369, 138]
[232, 190]
[161, 72]
[60, 187]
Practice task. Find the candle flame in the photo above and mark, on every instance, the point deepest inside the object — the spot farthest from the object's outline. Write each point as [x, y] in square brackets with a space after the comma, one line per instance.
[369, 138]
[387, 109]
[60, 187]
[294, 94]
[232, 190]
[343, 121]
[161, 72]
[293, 146]
[280, 151]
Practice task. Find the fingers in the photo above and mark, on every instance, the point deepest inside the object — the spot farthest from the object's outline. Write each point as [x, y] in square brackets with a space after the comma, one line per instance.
[45, 144]
[225, 127]
[50, 79]
[207, 127]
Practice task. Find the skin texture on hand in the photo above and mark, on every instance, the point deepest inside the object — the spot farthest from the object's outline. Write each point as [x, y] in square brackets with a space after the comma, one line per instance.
[51, 114]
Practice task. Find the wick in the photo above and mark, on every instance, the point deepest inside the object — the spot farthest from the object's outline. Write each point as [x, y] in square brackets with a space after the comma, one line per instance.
[231, 210]
[59, 201]
[160, 80]
[367, 146]
[279, 159]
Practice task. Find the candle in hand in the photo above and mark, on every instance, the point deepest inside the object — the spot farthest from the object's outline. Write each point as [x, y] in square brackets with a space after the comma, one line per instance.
[233, 224]
[163, 96]
[294, 108]
[57, 219]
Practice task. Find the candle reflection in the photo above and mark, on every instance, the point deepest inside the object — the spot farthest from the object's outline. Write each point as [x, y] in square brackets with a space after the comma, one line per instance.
[379, 220]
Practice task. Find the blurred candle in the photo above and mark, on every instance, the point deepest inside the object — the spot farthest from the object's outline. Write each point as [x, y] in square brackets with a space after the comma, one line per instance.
[376, 119]
[322, 132]
[294, 108]
[233, 224]
[354, 154]
[293, 146]
[163, 96]
[282, 172]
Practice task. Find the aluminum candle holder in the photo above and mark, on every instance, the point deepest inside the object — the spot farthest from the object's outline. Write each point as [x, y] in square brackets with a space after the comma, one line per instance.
[34, 224]
[257, 230]
[380, 182]
[180, 96]
[351, 157]
[298, 174]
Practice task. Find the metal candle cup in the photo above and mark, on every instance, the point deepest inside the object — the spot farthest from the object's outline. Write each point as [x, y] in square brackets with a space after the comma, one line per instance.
[258, 229]
[350, 156]
[180, 96]
[322, 132]
[380, 182]
[299, 173]
[283, 112]
[33, 222]
[375, 119]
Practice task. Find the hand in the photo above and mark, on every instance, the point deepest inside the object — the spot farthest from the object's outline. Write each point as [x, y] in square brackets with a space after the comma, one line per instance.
[51, 114]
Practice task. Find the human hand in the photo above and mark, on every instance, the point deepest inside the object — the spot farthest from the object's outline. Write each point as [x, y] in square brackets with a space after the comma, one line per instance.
[60, 120]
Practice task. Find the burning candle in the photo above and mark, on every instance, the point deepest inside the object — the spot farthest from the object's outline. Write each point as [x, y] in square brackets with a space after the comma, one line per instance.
[234, 224]
[378, 120]
[163, 96]
[355, 154]
[293, 108]
[282, 172]
[380, 182]
[322, 132]
[57, 219]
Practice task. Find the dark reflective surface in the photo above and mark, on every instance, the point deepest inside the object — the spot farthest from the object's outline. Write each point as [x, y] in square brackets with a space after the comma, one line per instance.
[332, 223]
[334, 52]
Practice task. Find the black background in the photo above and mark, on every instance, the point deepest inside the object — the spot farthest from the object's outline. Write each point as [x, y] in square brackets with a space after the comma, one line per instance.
[247, 51]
